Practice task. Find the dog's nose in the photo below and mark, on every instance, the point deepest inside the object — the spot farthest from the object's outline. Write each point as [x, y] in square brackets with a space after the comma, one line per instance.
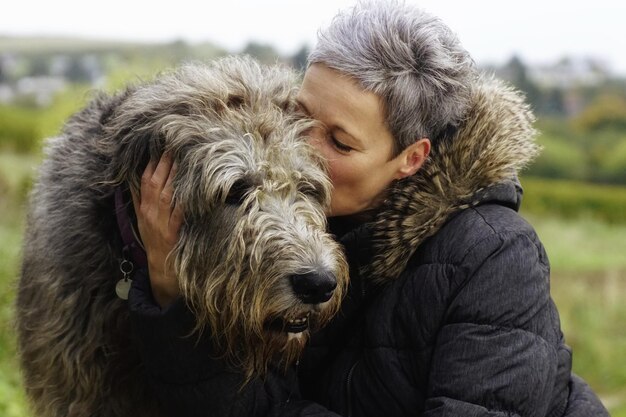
[314, 287]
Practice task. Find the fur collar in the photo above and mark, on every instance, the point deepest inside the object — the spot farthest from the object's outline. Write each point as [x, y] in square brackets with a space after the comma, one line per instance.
[493, 144]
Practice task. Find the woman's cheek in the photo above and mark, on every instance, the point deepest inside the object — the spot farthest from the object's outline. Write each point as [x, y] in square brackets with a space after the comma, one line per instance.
[339, 171]
[332, 172]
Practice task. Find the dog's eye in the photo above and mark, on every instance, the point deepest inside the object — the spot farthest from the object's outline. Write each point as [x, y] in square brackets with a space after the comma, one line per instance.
[237, 192]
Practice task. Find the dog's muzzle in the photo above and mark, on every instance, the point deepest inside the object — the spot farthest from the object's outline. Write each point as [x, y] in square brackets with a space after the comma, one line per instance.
[314, 287]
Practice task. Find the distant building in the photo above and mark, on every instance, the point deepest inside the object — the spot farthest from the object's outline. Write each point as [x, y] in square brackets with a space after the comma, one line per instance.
[7, 95]
[570, 72]
[41, 89]
[37, 79]
[9, 65]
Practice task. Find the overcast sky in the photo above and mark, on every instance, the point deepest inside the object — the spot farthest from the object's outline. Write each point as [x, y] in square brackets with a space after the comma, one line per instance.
[539, 31]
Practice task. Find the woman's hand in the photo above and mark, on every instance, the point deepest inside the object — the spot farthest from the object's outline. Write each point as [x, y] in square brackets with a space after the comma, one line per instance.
[159, 224]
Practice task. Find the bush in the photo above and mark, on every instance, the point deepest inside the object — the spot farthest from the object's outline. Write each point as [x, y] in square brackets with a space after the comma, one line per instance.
[559, 159]
[595, 156]
[612, 165]
[606, 111]
[571, 199]
[19, 129]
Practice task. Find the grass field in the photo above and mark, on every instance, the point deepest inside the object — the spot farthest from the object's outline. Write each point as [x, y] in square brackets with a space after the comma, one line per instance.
[588, 284]
[588, 260]
[12, 403]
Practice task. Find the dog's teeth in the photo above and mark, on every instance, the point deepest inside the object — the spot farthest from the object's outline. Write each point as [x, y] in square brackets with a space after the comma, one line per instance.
[298, 321]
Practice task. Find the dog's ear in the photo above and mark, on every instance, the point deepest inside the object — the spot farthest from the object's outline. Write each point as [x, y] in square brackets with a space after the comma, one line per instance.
[131, 136]
[110, 103]
[103, 123]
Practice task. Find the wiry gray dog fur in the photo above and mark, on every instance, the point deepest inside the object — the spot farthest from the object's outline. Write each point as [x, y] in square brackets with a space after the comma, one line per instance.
[253, 193]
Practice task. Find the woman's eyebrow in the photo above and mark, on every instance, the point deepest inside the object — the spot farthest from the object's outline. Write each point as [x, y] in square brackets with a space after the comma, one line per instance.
[355, 139]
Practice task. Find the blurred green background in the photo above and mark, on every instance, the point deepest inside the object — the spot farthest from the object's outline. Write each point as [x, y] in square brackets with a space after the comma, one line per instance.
[575, 193]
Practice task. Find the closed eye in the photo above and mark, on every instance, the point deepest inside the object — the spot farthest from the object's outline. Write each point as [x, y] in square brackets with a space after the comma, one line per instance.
[340, 146]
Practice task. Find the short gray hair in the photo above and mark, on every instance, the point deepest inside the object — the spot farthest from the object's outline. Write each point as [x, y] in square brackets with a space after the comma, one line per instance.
[409, 58]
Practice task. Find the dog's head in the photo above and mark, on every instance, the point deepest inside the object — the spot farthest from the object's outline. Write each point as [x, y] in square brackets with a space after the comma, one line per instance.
[254, 260]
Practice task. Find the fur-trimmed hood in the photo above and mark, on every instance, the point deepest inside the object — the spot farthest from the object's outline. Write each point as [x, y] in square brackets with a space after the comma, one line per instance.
[493, 144]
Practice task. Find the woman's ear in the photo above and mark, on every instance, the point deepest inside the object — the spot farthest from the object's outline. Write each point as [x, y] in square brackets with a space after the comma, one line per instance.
[412, 158]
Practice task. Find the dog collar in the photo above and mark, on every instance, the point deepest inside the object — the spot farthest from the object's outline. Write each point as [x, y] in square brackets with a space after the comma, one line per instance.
[132, 245]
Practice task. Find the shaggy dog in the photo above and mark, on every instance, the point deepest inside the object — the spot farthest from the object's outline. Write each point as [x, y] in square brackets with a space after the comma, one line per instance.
[253, 261]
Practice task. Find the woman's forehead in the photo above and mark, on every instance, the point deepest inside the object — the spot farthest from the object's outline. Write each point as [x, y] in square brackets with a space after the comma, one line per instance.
[337, 100]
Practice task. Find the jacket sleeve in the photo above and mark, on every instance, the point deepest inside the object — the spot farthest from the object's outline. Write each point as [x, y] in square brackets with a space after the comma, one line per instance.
[497, 353]
[188, 381]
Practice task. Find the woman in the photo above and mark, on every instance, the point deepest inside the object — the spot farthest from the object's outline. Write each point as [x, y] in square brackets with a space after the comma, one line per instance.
[448, 310]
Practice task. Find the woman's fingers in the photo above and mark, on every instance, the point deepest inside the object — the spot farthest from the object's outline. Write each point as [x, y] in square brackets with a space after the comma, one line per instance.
[154, 180]
[160, 181]
[158, 219]
[156, 187]
[176, 214]
[165, 201]
[146, 180]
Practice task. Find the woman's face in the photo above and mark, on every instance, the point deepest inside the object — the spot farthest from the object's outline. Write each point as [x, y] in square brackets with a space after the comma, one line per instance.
[355, 140]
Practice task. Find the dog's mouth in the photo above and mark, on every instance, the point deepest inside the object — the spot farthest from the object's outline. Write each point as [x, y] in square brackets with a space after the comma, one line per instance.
[297, 325]
[294, 325]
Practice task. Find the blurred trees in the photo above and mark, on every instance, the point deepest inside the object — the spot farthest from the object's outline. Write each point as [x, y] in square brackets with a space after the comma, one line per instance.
[517, 73]
[299, 59]
[264, 53]
[605, 112]
[581, 107]
[581, 114]
[562, 89]
[39, 66]
[589, 147]
[77, 71]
